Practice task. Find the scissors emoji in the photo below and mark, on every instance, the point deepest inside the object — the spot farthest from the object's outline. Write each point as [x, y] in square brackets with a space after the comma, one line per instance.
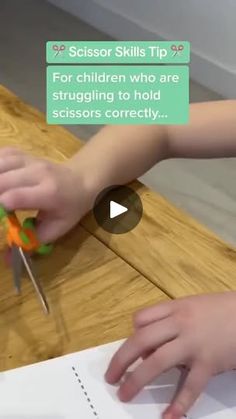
[177, 49]
[22, 241]
[59, 49]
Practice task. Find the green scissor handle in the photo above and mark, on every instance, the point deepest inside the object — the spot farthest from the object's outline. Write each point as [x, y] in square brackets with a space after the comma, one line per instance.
[3, 213]
[43, 249]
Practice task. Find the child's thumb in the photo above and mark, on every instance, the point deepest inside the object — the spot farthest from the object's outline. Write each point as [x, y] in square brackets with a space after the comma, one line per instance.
[49, 230]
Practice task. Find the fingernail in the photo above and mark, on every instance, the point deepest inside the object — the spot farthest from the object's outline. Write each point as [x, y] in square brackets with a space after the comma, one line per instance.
[119, 395]
[108, 378]
[122, 395]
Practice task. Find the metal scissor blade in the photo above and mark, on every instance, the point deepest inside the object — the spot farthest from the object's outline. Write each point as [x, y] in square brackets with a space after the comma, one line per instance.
[28, 265]
[17, 265]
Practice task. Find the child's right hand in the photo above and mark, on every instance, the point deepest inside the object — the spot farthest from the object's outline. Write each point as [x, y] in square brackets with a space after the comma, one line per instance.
[196, 331]
[62, 195]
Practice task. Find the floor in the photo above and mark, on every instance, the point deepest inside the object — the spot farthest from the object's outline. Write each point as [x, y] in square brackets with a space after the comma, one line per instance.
[206, 189]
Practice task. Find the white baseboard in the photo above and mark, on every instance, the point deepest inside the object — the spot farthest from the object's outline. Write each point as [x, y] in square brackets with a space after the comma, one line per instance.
[210, 74]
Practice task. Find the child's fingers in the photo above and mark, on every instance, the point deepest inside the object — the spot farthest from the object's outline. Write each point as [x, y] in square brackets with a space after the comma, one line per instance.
[152, 314]
[146, 354]
[12, 162]
[144, 340]
[192, 387]
[164, 358]
[50, 229]
[14, 179]
[25, 198]
[10, 151]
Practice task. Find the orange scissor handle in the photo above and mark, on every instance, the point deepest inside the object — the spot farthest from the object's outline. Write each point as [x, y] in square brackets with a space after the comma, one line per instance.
[23, 235]
[20, 235]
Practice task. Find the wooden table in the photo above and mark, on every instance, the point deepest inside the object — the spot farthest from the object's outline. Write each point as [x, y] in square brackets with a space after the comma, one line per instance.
[95, 281]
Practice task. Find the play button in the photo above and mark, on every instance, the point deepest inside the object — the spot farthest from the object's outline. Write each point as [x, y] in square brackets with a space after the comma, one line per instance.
[118, 209]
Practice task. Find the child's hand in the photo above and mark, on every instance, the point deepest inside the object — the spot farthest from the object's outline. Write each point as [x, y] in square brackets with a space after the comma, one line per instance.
[199, 332]
[59, 193]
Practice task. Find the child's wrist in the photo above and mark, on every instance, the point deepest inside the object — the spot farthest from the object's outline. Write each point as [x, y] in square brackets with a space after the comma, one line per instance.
[88, 178]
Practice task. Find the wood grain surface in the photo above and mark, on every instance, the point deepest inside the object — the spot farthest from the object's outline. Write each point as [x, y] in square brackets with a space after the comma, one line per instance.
[25, 127]
[92, 295]
[171, 249]
[92, 292]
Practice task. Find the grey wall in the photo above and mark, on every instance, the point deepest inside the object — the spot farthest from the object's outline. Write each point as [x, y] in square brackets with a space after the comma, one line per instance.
[210, 26]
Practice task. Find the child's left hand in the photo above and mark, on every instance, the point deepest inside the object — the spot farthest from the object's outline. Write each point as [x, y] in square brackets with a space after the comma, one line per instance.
[61, 193]
[198, 332]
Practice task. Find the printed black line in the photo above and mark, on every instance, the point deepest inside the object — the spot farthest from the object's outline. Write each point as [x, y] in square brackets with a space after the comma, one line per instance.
[88, 398]
[91, 405]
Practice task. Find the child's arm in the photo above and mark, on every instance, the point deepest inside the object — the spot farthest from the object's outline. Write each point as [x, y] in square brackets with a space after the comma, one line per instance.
[211, 132]
[118, 154]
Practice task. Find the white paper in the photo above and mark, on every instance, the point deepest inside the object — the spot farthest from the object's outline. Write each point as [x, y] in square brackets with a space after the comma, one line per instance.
[73, 387]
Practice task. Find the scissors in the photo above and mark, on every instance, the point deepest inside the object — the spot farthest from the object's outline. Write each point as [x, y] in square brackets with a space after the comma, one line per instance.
[59, 49]
[177, 49]
[22, 241]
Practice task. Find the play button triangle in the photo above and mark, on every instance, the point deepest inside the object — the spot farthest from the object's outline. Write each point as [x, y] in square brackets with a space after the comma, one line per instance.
[116, 209]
